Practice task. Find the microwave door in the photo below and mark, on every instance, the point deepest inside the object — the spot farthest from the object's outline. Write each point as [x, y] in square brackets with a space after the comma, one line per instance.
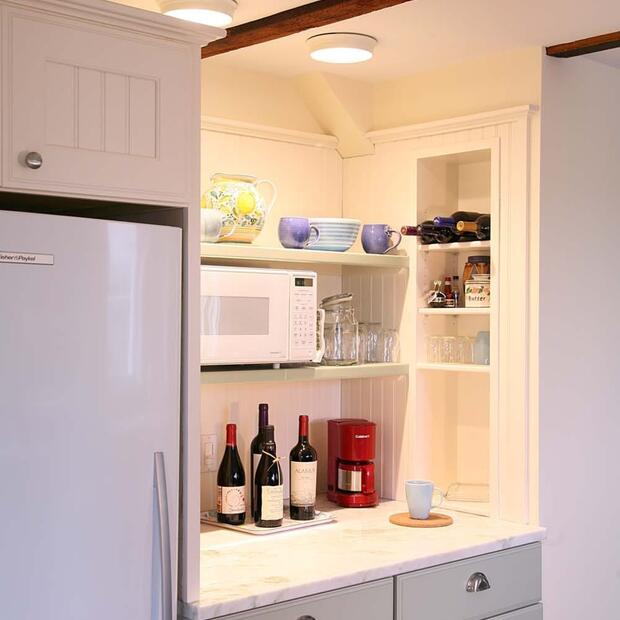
[244, 317]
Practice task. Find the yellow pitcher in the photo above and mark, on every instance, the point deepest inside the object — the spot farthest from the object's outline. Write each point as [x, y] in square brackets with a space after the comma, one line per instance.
[241, 205]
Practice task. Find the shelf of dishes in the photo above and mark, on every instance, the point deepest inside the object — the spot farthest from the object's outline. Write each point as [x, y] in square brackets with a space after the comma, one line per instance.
[459, 350]
[240, 374]
[250, 253]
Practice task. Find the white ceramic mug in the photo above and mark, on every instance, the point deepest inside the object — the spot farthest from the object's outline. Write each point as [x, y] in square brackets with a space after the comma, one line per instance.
[420, 498]
[211, 226]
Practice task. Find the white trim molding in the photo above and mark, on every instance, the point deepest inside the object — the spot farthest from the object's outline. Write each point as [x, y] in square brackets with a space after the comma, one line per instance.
[267, 132]
[459, 123]
[102, 12]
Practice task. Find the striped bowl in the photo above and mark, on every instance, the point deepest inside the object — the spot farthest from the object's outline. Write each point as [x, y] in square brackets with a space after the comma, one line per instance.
[336, 234]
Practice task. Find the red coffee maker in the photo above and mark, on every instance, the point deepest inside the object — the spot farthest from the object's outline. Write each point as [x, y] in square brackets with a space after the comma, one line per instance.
[350, 466]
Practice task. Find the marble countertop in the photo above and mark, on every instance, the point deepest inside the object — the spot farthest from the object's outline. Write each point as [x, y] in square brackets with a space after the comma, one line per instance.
[239, 572]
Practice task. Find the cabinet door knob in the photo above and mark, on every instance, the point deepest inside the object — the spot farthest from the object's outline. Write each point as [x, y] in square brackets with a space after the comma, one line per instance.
[306, 618]
[33, 160]
[478, 582]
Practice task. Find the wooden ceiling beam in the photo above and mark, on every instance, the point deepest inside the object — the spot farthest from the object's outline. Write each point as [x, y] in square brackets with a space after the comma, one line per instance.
[585, 46]
[292, 21]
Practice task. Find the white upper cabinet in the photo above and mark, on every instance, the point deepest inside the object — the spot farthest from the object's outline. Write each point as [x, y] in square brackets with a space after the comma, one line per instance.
[92, 107]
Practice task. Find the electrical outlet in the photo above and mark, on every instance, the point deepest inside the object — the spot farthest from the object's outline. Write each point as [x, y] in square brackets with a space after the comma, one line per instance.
[208, 453]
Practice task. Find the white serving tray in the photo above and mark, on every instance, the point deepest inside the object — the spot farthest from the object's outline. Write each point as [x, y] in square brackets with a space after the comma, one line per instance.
[288, 524]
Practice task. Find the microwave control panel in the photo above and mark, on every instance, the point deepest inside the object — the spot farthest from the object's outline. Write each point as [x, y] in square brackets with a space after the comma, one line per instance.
[303, 316]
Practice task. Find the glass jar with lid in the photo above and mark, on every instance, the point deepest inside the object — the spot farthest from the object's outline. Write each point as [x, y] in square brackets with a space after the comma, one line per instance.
[341, 337]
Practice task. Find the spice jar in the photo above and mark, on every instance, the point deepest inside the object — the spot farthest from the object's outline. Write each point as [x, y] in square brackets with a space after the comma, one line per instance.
[476, 265]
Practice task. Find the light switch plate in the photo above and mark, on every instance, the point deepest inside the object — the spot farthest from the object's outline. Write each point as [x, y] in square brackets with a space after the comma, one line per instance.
[208, 453]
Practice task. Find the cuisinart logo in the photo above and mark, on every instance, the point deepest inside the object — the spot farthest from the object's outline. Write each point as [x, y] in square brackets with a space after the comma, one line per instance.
[26, 258]
[362, 436]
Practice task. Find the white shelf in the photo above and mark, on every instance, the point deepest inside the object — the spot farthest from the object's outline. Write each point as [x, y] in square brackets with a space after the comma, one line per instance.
[455, 311]
[240, 252]
[455, 248]
[476, 368]
[308, 373]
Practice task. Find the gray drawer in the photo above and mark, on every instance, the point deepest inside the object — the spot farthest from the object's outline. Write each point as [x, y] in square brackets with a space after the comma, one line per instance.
[372, 601]
[440, 593]
[535, 612]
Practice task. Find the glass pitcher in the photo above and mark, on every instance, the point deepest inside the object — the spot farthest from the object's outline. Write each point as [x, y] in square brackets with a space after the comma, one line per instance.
[340, 331]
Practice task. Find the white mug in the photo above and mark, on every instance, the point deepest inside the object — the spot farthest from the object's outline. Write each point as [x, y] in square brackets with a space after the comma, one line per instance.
[211, 226]
[420, 498]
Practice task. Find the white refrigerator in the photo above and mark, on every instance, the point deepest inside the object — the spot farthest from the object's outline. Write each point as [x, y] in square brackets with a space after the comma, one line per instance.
[90, 320]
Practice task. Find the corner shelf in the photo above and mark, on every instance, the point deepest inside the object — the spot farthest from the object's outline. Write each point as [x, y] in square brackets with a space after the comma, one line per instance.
[307, 373]
[455, 311]
[474, 368]
[248, 252]
[455, 248]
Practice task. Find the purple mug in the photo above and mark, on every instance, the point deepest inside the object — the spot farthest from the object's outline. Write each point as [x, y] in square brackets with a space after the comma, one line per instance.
[295, 232]
[376, 238]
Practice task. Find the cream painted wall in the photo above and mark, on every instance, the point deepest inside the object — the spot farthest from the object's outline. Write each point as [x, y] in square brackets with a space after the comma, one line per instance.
[254, 98]
[579, 362]
[480, 85]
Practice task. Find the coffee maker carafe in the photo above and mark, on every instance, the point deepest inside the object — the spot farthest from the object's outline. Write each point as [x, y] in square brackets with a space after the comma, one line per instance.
[350, 462]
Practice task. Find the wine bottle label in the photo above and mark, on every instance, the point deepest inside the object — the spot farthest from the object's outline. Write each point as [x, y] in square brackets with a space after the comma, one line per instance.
[230, 500]
[303, 484]
[272, 507]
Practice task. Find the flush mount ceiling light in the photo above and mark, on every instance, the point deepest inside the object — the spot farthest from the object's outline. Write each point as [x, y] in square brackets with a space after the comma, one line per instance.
[341, 47]
[209, 12]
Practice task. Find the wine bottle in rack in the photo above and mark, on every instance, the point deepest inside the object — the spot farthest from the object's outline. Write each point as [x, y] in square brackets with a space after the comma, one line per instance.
[422, 231]
[457, 216]
[269, 510]
[231, 505]
[303, 468]
[481, 227]
[256, 448]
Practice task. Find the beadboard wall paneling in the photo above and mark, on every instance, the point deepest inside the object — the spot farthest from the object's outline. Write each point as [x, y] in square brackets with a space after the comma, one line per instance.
[379, 296]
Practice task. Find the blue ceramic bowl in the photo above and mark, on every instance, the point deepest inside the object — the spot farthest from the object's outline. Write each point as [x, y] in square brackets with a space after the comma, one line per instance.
[336, 234]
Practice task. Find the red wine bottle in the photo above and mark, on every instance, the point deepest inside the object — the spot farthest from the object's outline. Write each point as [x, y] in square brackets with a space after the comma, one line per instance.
[231, 482]
[269, 510]
[256, 448]
[426, 232]
[303, 467]
[481, 227]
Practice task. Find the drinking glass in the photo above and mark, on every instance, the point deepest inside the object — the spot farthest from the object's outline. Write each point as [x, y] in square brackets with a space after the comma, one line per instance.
[373, 353]
[433, 349]
[482, 348]
[448, 350]
[362, 343]
[464, 350]
[389, 345]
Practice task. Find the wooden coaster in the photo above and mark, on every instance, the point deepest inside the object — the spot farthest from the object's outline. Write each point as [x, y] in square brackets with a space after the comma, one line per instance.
[434, 520]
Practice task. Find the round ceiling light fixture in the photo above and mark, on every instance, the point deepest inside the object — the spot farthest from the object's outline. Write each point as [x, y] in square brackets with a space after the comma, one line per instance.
[341, 47]
[217, 13]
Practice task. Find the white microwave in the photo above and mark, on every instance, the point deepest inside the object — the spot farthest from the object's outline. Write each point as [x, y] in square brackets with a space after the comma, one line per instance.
[257, 316]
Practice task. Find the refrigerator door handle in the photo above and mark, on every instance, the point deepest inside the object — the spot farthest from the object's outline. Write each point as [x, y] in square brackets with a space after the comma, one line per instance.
[164, 536]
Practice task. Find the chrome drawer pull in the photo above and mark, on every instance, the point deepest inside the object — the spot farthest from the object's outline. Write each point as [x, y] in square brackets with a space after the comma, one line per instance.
[478, 582]
[33, 160]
